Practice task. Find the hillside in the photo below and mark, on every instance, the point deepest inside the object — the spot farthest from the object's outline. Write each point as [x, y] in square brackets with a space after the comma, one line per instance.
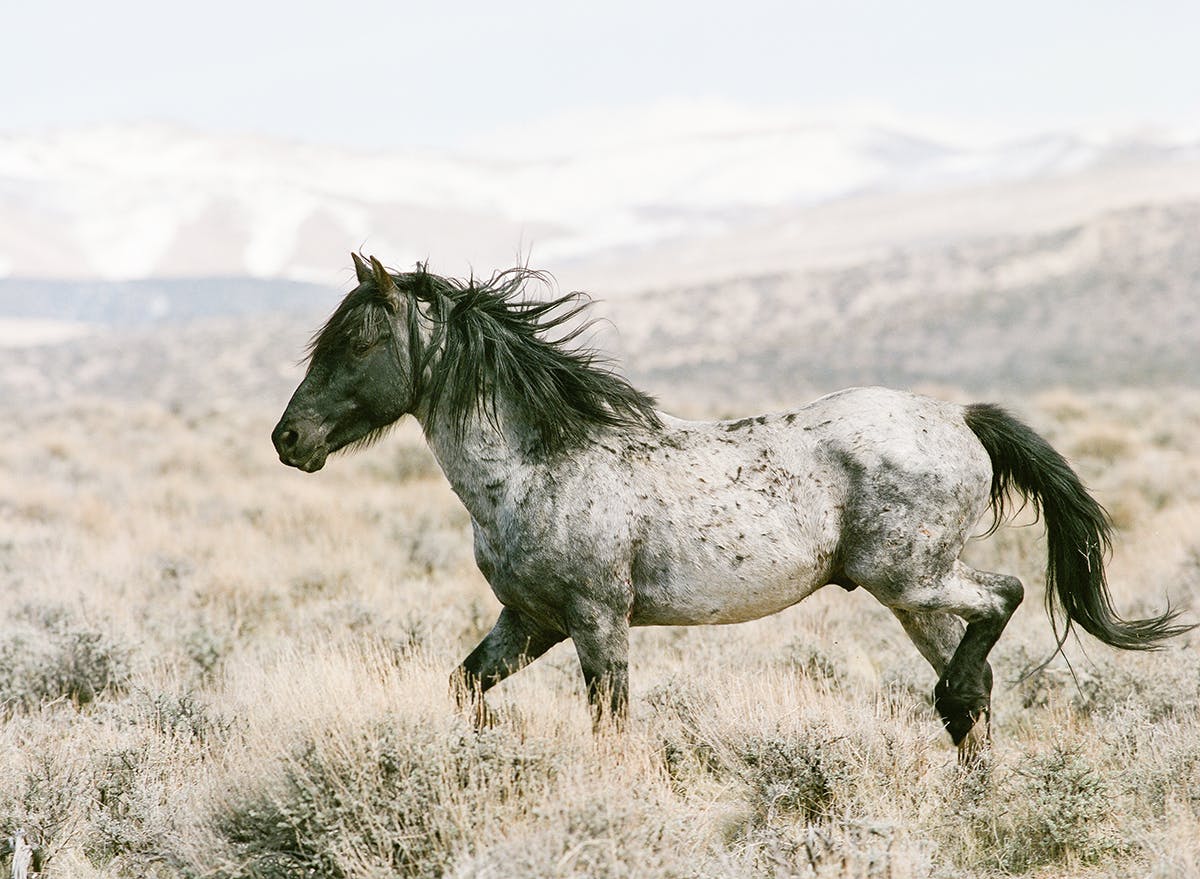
[659, 203]
[127, 304]
[1111, 303]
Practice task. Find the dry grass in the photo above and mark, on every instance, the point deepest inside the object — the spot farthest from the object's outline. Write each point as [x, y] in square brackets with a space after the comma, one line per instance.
[212, 666]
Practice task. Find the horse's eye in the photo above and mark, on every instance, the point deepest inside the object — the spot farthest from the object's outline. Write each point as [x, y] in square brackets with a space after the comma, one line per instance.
[362, 346]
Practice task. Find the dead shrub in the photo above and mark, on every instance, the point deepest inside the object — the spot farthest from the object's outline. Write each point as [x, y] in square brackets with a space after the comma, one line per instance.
[792, 777]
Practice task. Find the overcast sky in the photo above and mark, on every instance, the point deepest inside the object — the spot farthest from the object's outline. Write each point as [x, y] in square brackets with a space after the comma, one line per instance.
[445, 75]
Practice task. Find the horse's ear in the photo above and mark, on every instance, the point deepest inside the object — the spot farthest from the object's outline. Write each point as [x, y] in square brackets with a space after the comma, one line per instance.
[384, 283]
[360, 268]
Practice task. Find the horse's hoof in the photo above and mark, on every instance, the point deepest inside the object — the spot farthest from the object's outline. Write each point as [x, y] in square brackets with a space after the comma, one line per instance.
[961, 710]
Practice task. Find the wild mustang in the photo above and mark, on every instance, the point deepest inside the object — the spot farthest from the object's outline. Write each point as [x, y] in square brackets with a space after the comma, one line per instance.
[593, 512]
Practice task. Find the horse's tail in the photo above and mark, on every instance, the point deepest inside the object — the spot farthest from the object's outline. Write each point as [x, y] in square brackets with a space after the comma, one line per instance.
[1078, 531]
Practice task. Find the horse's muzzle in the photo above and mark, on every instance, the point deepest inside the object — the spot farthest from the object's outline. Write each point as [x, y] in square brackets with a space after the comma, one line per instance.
[296, 447]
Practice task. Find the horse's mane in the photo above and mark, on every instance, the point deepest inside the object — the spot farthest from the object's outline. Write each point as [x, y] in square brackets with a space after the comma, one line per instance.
[490, 340]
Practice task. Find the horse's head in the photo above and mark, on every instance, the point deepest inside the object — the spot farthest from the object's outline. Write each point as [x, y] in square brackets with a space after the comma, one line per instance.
[359, 378]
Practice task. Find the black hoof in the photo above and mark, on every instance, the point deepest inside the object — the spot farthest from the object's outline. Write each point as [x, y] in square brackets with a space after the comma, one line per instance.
[959, 711]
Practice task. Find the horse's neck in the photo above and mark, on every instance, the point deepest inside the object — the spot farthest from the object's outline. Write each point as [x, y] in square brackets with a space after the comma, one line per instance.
[485, 463]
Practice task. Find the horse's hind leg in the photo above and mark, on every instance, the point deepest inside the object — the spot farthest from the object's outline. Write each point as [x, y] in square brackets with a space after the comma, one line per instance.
[513, 643]
[964, 691]
[937, 636]
[986, 602]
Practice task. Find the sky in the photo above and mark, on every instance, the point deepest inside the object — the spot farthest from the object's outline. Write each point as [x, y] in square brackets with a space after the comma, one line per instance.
[460, 76]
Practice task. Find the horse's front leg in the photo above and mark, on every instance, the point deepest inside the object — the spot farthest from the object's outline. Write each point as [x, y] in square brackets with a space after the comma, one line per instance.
[514, 642]
[601, 637]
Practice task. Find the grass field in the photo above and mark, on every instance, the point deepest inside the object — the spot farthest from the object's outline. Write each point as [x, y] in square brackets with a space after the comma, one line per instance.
[211, 665]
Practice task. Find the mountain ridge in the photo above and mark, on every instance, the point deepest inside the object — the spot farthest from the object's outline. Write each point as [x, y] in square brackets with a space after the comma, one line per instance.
[127, 202]
[1113, 302]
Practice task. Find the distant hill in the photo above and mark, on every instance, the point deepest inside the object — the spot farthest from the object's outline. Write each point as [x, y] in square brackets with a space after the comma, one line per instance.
[1111, 302]
[617, 208]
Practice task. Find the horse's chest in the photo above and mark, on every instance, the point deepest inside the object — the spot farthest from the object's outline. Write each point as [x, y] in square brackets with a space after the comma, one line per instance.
[505, 567]
[534, 567]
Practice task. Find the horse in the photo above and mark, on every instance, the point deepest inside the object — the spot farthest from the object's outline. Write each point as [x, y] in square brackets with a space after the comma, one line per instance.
[593, 512]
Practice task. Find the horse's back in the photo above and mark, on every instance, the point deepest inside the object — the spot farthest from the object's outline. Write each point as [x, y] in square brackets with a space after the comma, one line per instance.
[873, 430]
[917, 445]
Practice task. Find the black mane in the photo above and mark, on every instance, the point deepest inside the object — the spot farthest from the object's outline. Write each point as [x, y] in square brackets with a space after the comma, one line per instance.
[489, 339]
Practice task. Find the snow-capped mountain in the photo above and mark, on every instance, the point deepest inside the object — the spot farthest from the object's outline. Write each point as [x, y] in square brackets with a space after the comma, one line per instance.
[135, 201]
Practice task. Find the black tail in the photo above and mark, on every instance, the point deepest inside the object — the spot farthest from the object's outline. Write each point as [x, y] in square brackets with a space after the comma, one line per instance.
[1078, 531]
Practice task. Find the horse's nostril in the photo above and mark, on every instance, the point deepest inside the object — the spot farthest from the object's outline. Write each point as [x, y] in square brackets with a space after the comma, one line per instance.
[286, 439]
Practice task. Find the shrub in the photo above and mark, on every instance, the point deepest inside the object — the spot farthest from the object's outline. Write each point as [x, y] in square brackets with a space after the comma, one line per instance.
[685, 752]
[593, 834]
[183, 718]
[796, 777]
[1158, 686]
[814, 661]
[49, 799]
[206, 649]
[832, 849]
[1052, 807]
[118, 824]
[396, 798]
[60, 661]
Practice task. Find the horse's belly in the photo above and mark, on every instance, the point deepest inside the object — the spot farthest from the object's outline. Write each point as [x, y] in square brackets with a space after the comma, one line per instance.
[720, 593]
[738, 554]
